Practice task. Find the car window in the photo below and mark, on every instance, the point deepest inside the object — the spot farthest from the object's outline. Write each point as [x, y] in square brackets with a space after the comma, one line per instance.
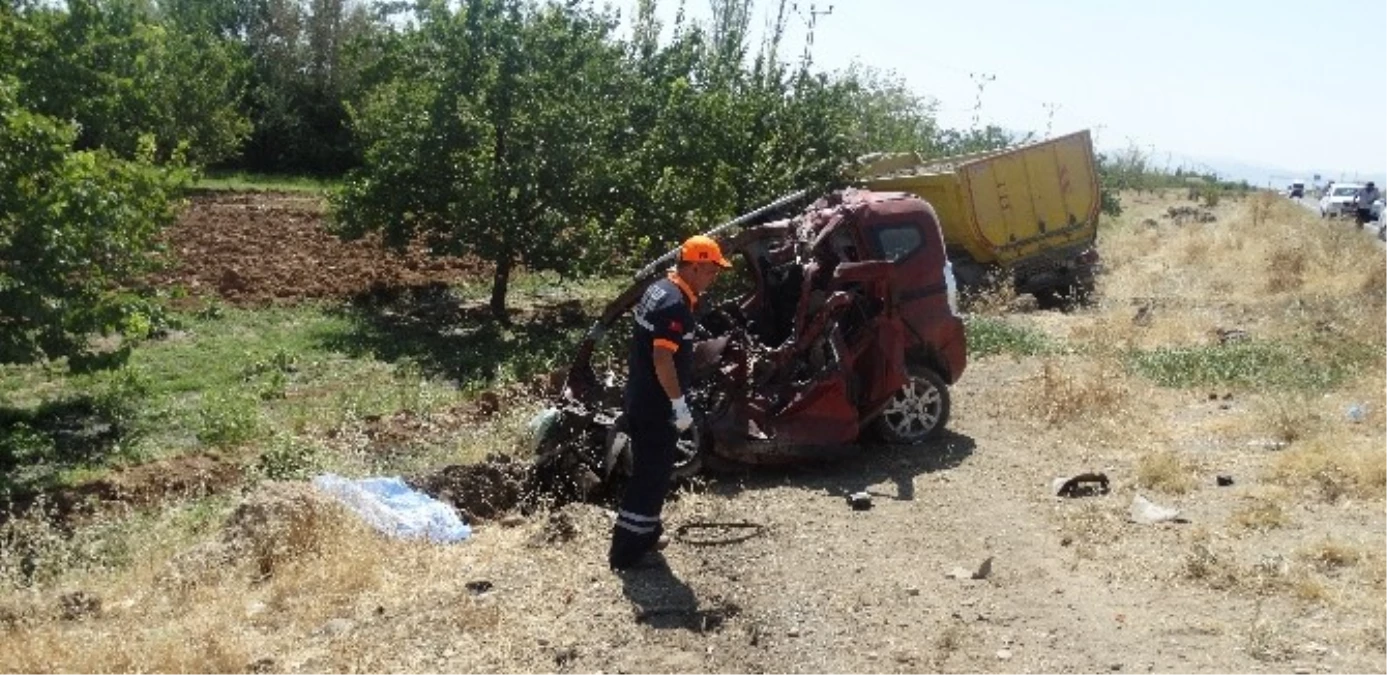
[897, 241]
[843, 245]
[1345, 192]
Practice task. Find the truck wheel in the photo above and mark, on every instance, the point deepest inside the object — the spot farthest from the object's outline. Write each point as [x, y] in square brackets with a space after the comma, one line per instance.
[619, 461]
[918, 412]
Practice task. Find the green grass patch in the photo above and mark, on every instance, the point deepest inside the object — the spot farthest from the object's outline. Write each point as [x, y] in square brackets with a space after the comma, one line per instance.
[1306, 366]
[275, 386]
[242, 180]
[992, 335]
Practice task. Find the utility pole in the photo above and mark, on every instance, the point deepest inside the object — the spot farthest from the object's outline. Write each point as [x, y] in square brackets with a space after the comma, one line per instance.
[1097, 131]
[1050, 109]
[981, 80]
[811, 22]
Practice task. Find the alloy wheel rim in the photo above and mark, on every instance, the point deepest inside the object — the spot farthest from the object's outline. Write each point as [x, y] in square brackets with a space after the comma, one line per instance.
[914, 410]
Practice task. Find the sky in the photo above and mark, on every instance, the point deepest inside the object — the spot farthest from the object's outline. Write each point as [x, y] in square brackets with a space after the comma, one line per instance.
[1240, 86]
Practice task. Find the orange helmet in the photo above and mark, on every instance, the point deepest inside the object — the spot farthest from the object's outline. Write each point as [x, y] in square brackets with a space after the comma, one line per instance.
[699, 248]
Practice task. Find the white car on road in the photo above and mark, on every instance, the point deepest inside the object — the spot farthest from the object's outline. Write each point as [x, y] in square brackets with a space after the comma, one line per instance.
[1339, 201]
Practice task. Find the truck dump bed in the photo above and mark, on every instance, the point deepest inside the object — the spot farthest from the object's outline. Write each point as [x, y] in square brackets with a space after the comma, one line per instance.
[1005, 207]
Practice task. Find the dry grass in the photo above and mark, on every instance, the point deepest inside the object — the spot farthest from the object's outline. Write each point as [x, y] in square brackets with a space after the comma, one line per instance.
[203, 616]
[1167, 471]
[1288, 418]
[1197, 277]
[1331, 471]
[1066, 391]
[1209, 564]
[1374, 638]
[1261, 512]
[1089, 527]
[1329, 556]
[1266, 640]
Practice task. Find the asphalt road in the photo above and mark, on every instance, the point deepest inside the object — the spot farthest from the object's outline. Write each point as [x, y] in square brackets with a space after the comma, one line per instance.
[1371, 229]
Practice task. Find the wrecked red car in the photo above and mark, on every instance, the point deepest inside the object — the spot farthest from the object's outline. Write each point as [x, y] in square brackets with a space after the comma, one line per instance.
[843, 324]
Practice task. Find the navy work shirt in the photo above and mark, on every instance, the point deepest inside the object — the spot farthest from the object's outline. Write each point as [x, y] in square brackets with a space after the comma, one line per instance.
[664, 320]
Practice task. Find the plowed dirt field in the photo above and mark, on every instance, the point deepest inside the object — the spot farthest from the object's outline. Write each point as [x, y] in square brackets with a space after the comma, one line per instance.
[255, 248]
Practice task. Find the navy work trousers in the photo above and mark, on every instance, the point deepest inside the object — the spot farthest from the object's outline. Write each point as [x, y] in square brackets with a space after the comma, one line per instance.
[638, 525]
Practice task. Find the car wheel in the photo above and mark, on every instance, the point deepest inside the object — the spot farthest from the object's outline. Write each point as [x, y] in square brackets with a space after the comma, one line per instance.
[918, 412]
[619, 460]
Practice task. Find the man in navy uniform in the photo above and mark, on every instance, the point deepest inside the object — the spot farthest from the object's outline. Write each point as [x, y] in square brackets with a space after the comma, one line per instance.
[660, 369]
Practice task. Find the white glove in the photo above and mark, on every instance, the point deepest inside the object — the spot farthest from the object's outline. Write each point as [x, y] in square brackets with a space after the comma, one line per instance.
[683, 419]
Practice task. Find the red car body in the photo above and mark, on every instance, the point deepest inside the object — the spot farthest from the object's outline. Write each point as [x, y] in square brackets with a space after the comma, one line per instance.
[844, 321]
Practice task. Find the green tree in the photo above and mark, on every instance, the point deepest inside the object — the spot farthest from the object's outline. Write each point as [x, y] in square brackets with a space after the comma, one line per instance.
[76, 229]
[491, 137]
[122, 75]
[308, 57]
[887, 115]
[712, 135]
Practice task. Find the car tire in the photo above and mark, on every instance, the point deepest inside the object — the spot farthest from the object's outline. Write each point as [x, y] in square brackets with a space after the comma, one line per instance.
[619, 461]
[918, 412]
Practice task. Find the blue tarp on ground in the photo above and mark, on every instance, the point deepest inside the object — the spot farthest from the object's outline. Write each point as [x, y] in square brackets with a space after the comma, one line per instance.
[395, 509]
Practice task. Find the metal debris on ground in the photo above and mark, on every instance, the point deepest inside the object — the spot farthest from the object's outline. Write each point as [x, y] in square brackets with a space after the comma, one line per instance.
[860, 501]
[717, 534]
[1081, 485]
[1224, 480]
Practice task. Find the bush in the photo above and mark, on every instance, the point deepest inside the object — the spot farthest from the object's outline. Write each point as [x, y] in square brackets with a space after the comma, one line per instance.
[288, 458]
[226, 419]
[76, 229]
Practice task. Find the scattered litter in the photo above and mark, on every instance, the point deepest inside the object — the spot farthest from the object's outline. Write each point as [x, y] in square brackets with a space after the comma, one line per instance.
[860, 501]
[1267, 444]
[1145, 512]
[1081, 485]
[1224, 480]
[1356, 413]
[513, 520]
[1003, 654]
[479, 587]
[982, 572]
[394, 509]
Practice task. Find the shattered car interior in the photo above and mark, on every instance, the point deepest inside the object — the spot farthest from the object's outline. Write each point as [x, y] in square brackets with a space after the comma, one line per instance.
[843, 325]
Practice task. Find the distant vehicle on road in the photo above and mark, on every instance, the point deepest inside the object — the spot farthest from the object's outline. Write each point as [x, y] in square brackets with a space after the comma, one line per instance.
[1296, 190]
[1339, 201]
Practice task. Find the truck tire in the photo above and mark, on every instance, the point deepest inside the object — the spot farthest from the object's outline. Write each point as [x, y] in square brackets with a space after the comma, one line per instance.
[918, 412]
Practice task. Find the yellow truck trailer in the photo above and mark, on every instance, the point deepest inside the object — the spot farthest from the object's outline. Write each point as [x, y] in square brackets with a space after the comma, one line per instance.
[1030, 212]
